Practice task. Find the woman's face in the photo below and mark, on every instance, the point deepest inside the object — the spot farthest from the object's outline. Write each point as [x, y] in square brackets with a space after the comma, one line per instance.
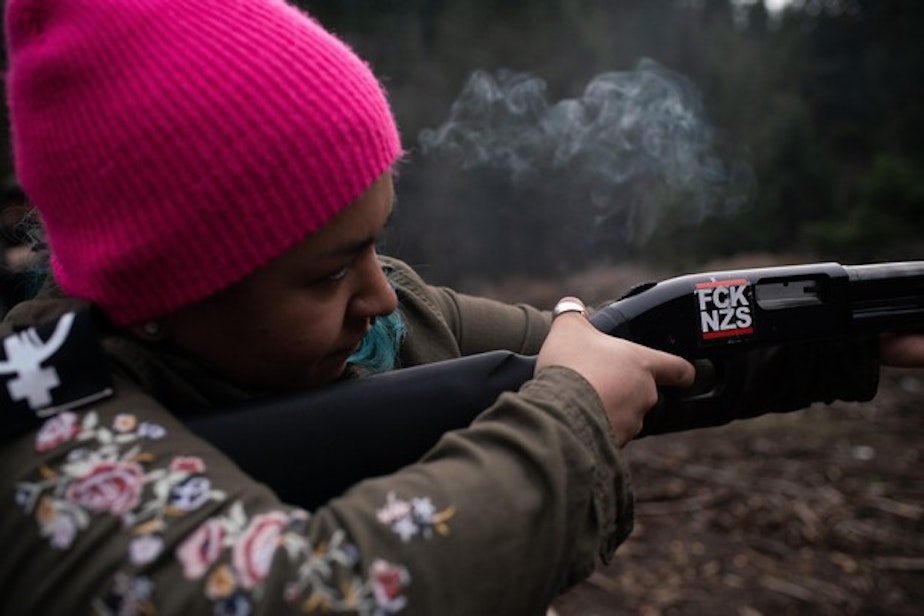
[294, 323]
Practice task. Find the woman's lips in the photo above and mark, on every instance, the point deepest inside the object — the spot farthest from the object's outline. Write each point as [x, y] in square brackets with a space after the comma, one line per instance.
[345, 351]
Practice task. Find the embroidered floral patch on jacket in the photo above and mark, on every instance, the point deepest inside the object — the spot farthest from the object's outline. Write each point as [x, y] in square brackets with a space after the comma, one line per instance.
[107, 472]
[414, 517]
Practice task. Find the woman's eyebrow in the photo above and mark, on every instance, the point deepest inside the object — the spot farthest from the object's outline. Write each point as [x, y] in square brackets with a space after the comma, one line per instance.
[350, 248]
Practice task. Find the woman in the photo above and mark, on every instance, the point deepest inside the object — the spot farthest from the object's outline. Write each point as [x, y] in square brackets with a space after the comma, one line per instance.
[212, 177]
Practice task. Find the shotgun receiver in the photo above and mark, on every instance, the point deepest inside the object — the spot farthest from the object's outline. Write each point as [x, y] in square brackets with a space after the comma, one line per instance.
[310, 447]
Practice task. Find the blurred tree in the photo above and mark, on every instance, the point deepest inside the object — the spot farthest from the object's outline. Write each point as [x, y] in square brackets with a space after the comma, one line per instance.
[887, 218]
[862, 83]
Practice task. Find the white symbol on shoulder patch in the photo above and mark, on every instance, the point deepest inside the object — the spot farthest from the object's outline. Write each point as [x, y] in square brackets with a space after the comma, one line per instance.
[25, 353]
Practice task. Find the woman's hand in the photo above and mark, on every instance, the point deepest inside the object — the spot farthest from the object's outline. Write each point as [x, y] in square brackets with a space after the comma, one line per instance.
[625, 375]
[902, 350]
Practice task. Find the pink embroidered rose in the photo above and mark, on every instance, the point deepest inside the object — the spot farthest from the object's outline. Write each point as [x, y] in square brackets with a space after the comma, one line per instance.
[108, 486]
[201, 549]
[254, 550]
[187, 464]
[388, 584]
[59, 429]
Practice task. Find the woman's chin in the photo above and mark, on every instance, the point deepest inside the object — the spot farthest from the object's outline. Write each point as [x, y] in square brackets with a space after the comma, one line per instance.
[329, 371]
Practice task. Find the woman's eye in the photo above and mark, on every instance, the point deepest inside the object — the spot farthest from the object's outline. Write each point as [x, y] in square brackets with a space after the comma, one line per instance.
[339, 274]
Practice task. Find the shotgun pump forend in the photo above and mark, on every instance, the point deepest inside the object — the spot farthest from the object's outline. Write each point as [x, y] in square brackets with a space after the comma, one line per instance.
[311, 447]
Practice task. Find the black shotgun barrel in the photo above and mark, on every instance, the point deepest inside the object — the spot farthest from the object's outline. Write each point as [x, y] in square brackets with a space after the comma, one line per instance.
[887, 296]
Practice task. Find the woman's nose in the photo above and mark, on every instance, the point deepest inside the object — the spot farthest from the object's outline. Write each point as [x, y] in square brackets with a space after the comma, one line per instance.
[375, 297]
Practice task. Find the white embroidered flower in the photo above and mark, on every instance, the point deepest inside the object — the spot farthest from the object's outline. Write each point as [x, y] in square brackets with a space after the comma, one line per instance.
[61, 532]
[153, 431]
[419, 516]
[78, 454]
[405, 528]
[190, 494]
[423, 508]
[144, 549]
[394, 509]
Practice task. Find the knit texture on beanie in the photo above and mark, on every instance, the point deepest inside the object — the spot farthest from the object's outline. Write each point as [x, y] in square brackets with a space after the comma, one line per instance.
[172, 147]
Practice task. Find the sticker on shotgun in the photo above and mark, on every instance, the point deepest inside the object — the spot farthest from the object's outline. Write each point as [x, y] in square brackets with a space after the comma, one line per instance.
[725, 309]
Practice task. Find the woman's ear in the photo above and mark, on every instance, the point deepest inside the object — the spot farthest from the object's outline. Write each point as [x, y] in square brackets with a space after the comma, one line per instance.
[150, 331]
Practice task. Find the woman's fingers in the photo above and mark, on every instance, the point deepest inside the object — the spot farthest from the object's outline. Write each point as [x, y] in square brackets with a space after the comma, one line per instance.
[902, 350]
[670, 370]
[625, 375]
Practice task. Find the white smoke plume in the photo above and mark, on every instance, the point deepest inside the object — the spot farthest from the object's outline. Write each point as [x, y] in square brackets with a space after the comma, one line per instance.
[632, 152]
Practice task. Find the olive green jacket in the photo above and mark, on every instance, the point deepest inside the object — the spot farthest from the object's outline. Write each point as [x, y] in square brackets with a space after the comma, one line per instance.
[118, 508]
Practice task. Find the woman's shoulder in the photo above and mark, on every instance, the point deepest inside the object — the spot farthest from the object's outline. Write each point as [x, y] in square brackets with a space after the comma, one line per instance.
[402, 274]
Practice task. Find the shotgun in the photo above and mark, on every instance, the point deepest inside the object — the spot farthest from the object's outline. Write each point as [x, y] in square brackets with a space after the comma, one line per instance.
[311, 446]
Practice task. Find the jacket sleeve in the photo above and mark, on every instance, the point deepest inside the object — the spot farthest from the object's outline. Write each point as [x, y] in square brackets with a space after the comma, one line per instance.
[122, 509]
[442, 323]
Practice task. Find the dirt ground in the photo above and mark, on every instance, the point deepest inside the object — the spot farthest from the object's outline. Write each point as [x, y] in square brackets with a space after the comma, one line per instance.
[819, 512]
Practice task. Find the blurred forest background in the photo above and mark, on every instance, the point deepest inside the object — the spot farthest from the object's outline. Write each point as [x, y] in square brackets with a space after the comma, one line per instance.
[549, 135]
[545, 136]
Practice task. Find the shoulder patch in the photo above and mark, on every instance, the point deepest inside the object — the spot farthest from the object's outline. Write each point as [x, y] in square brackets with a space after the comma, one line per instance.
[50, 368]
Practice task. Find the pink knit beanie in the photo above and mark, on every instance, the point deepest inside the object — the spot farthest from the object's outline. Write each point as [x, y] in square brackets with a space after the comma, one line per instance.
[172, 147]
